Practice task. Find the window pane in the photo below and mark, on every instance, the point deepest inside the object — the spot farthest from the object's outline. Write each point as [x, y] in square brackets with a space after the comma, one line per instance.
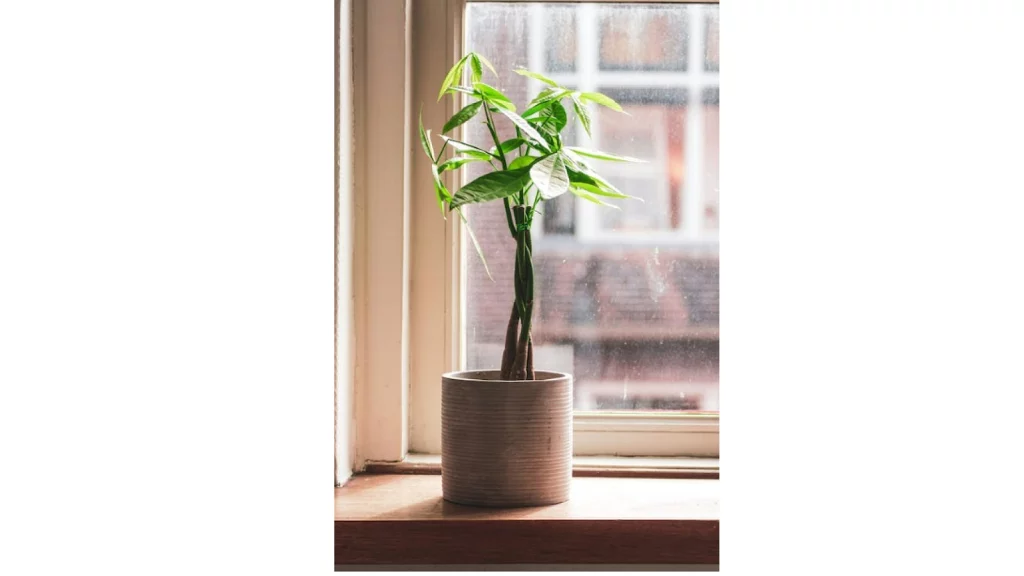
[643, 37]
[626, 300]
[654, 131]
[711, 40]
[560, 38]
[710, 149]
[559, 215]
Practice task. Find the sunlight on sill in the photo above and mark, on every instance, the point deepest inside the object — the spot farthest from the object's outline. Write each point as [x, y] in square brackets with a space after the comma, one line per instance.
[659, 462]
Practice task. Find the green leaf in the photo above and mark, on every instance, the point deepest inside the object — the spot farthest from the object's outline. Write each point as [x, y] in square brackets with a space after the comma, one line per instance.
[581, 112]
[537, 76]
[597, 190]
[572, 160]
[553, 118]
[476, 71]
[602, 183]
[587, 196]
[576, 177]
[460, 117]
[561, 117]
[479, 251]
[602, 155]
[522, 161]
[601, 99]
[508, 145]
[593, 182]
[425, 139]
[544, 99]
[487, 63]
[553, 139]
[547, 124]
[455, 163]
[491, 186]
[550, 177]
[494, 96]
[468, 149]
[464, 90]
[439, 190]
[452, 77]
[543, 94]
[526, 128]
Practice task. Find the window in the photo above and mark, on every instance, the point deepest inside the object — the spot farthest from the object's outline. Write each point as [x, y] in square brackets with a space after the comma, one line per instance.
[627, 299]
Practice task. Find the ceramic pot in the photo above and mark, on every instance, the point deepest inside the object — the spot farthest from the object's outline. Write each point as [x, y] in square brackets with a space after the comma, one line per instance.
[506, 443]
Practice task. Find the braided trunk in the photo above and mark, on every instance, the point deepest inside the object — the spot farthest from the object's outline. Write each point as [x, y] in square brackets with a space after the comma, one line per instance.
[517, 358]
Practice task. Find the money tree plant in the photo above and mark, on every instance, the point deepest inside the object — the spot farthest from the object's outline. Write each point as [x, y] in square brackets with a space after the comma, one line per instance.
[525, 170]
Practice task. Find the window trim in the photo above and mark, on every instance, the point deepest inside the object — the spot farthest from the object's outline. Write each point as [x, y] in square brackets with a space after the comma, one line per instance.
[412, 340]
[646, 434]
[381, 255]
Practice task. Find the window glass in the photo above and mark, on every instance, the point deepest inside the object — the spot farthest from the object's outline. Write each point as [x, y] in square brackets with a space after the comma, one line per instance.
[711, 41]
[710, 150]
[643, 37]
[654, 131]
[627, 300]
[560, 37]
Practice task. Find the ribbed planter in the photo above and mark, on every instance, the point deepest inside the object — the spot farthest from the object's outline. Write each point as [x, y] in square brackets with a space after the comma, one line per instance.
[506, 443]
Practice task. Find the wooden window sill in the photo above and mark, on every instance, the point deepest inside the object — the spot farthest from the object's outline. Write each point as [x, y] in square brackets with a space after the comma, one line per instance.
[582, 466]
[401, 519]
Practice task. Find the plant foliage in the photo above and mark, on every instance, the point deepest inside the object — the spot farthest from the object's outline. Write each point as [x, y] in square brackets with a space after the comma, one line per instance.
[525, 170]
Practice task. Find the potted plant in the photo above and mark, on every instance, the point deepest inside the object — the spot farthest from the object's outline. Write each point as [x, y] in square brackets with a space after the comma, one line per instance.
[507, 433]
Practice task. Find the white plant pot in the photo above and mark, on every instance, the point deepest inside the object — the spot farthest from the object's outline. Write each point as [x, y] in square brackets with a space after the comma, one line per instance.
[506, 443]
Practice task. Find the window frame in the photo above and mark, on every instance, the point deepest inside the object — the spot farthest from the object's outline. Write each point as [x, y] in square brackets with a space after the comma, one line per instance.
[401, 245]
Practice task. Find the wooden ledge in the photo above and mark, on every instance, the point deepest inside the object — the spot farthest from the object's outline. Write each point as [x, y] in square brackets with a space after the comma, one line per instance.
[582, 466]
[391, 519]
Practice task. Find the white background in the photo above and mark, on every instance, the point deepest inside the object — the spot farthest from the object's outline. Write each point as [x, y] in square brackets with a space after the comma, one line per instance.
[166, 271]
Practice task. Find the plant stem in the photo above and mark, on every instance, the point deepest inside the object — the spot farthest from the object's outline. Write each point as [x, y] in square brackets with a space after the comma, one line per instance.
[508, 218]
[528, 319]
[520, 352]
[494, 134]
[508, 356]
[501, 156]
[524, 297]
[530, 374]
[440, 153]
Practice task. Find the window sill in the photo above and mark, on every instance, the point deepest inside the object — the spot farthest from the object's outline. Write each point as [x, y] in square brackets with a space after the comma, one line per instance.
[401, 519]
[582, 467]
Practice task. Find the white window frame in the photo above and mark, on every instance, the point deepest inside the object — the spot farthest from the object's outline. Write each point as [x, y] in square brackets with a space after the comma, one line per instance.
[409, 264]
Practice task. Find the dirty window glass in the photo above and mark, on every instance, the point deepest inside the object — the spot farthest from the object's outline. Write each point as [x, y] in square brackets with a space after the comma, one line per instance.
[627, 300]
